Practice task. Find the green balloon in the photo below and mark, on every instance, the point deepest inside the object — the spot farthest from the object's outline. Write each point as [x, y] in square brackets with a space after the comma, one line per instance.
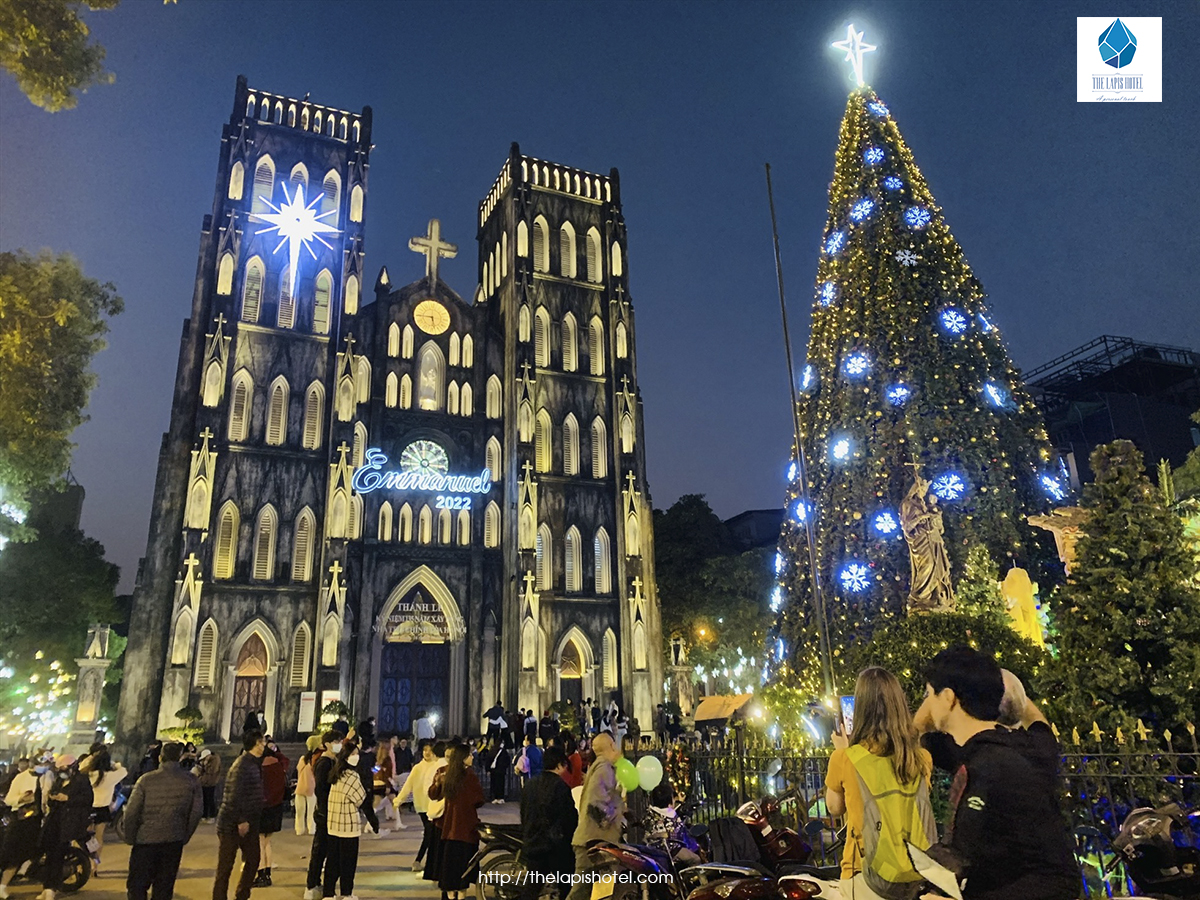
[627, 774]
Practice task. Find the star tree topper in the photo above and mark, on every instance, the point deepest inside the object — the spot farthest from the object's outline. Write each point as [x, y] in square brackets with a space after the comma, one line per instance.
[297, 225]
[855, 47]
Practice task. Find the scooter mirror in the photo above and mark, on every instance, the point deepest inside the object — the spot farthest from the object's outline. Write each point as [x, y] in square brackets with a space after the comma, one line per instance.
[774, 767]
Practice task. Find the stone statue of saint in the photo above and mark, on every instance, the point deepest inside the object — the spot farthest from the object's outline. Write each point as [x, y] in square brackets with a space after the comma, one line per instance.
[929, 586]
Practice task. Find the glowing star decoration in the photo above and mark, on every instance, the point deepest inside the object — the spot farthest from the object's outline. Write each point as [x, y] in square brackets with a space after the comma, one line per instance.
[996, 395]
[792, 472]
[809, 378]
[801, 511]
[857, 364]
[828, 293]
[917, 217]
[898, 394]
[776, 599]
[855, 578]
[906, 257]
[855, 47]
[949, 486]
[953, 321]
[893, 182]
[297, 225]
[877, 107]
[779, 563]
[840, 449]
[861, 209]
[1053, 487]
[873, 156]
[885, 523]
[835, 242]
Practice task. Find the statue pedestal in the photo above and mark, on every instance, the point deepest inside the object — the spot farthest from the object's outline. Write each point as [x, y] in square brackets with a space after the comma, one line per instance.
[682, 692]
[89, 690]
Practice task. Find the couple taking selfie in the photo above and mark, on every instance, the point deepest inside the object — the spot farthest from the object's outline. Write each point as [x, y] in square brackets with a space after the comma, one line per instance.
[1005, 838]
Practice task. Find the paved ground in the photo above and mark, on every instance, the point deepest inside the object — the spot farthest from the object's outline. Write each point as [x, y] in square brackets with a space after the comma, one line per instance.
[384, 865]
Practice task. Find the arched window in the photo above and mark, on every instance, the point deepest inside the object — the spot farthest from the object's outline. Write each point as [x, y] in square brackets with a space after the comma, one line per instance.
[277, 413]
[492, 458]
[566, 250]
[622, 341]
[626, 433]
[291, 115]
[596, 346]
[329, 126]
[345, 399]
[299, 179]
[633, 535]
[431, 374]
[407, 347]
[570, 344]
[404, 524]
[541, 245]
[466, 403]
[321, 293]
[237, 180]
[393, 340]
[206, 655]
[445, 527]
[240, 406]
[302, 546]
[543, 444]
[640, 656]
[610, 660]
[425, 526]
[544, 558]
[454, 348]
[504, 254]
[468, 351]
[529, 644]
[485, 283]
[278, 112]
[250, 107]
[523, 324]
[330, 640]
[525, 421]
[357, 453]
[406, 392]
[264, 544]
[602, 553]
[213, 376]
[573, 561]
[286, 313]
[355, 131]
[181, 638]
[452, 398]
[522, 239]
[391, 390]
[351, 295]
[225, 275]
[599, 448]
[196, 511]
[314, 413]
[317, 121]
[339, 514]
[354, 525]
[362, 379]
[304, 118]
[331, 195]
[301, 647]
[541, 337]
[617, 268]
[356, 203]
[464, 528]
[593, 256]
[342, 124]
[491, 525]
[494, 398]
[264, 185]
[385, 521]
[225, 546]
[252, 290]
[525, 527]
[570, 445]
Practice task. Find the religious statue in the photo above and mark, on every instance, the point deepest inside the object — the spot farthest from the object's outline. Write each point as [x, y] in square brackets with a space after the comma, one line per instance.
[1018, 592]
[1066, 524]
[929, 586]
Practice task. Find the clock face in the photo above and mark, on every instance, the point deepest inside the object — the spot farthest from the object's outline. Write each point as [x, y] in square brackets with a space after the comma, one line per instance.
[424, 456]
[431, 317]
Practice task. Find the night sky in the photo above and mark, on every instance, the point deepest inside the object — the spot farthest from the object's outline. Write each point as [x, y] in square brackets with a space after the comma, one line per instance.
[1079, 218]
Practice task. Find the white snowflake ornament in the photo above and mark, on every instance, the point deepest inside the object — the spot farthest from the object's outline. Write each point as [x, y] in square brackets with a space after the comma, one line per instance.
[906, 257]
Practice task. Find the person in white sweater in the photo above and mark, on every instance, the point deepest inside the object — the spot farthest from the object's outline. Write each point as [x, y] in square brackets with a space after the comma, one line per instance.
[416, 785]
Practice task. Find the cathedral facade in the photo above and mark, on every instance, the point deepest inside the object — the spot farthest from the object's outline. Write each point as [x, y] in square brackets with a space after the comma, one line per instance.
[408, 503]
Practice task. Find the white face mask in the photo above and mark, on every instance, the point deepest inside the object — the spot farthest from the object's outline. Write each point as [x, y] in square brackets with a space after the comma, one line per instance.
[352, 759]
[336, 747]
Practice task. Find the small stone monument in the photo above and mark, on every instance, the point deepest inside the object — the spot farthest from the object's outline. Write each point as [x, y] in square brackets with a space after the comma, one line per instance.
[682, 692]
[89, 688]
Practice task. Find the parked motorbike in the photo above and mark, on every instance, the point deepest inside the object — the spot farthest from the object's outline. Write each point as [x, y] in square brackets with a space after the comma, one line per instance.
[780, 848]
[499, 854]
[77, 862]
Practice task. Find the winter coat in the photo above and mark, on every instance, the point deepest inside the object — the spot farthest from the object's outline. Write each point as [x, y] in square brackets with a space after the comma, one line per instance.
[600, 806]
[243, 798]
[274, 778]
[345, 797]
[210, 770]
[460, 822]
[165, 806]
[68, 820]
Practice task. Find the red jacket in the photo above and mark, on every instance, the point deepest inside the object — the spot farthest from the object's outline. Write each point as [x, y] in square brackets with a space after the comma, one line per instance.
[461, 821]
[274, 779]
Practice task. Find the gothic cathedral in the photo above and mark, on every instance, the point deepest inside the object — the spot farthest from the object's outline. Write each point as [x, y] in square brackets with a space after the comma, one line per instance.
[413, 502]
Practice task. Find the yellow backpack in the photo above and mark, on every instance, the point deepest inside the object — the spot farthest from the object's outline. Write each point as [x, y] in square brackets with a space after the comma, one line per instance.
[893, 814]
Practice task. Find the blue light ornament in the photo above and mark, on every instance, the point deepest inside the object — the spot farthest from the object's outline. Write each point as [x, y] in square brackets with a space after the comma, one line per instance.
[917, 217]
[855, 577]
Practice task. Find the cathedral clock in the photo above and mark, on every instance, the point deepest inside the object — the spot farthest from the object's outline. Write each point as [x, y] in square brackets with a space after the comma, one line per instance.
[431, 317]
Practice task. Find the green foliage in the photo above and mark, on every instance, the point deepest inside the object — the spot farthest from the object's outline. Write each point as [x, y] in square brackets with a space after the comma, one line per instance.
[1129, 620]
[52, 322]
[978, 591]
[1187, 476]
[191, 730]
[44, 46]
[568, 715]
[334, 710]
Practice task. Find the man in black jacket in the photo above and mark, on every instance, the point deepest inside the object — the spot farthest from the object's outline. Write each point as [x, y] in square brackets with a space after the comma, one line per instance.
[238, 818]
[548, 821]
[331, 746]
[1006, 834]
[160, 817]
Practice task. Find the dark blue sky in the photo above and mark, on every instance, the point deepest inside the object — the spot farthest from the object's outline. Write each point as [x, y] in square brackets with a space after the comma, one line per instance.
[1079, 218]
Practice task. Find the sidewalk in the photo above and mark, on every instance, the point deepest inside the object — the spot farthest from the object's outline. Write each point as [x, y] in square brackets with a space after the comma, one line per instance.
[384, 865]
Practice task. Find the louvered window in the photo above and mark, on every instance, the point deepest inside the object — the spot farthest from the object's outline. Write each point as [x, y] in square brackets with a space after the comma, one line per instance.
[596, 347]
[277, 416]
[312, 418]
[566, 249]
[570, 446]
[252, 291]
[602, 553]
[332, 188]
[298, 675]
[570, 344]
[302, 548]
[324, 287]
[264, 185]
[593, 256]
[573, 566]
[542, 562]
[239, 408]
[491, 526]
[264, 546]
[541, 338]
[599, 448]
[541, 250]
[225, 555]
[206, 655]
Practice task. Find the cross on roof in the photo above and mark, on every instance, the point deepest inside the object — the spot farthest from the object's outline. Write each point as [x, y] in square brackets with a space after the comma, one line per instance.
[335, 570]
[620, 290]
[206, 434]
[191, 562]
[343, 450]
[433, 247]
[220, 320]
[630, 478]
[527, 469]
[530, 579]
[637, 588]
[350, 342]
[625, 383]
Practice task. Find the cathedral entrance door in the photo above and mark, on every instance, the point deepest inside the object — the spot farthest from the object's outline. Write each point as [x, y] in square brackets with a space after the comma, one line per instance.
[250, 681]
[570, 675]
[412, 677]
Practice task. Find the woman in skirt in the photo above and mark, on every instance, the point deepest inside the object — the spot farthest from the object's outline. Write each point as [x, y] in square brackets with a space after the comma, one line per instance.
[458, 785]
[104, 775]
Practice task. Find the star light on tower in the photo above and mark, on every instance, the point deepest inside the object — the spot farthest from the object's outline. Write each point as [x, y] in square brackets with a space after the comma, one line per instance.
[297, 225]
[855, 47]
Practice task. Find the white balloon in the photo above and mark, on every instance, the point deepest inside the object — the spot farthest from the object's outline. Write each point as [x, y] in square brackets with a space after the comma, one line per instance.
[650, 772]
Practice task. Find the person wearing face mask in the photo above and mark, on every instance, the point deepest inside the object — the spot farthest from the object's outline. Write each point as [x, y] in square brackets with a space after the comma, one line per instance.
[24, 798]
[346, 795]
[238, 818]
[69, 809]
[322, 767]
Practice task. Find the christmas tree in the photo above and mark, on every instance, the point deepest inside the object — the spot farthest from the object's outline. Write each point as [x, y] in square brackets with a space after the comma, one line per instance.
[1129, 620]
[906, 374]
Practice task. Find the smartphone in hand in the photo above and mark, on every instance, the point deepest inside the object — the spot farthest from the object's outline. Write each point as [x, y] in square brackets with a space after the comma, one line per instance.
[846, 710]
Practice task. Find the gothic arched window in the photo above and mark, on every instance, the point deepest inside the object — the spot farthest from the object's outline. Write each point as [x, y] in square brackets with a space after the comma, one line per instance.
[225, 275]
[213, 376]
[602, 553]
[610, 660]
[301, 647]
[431, 374]
[570, 445]
[464, 528]
[406, 392]
[522, 239]
[593, 255]
[626, 433]
[225, 546]
[331, 196]
[491, 525]
[452, 398]
[544, 558]
[425, 526]
[264, 185]
[599, 448]
[330, 640]
[264, 544]
[393, 343]
[404, 524]
[391, 390]
[570, 344]
[525, 528]
[618, 269]
[492, 456]
[302, 546]
[286, 313]
[240, 406]
[622, 341]
[299, 179]
[407, 347]
[351, 305]
[206, 655]
[523, 324]
[468, 351]
[541, 337]
[525, 421]
[237, 180]
[541, 245]
[356, 203]
[322, 290]
[445, 527]
[454, 348]
[314, 412]
[466, 403]
[277, 413]
[573, 561]
[566, 250]
[543, 449]
[385, 521]
[494, 399]
[633, 535]
[252, 290]
[596, 346]
[181, 638]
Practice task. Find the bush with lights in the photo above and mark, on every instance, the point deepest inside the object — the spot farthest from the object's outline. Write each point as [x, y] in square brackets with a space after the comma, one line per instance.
[905, 367]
